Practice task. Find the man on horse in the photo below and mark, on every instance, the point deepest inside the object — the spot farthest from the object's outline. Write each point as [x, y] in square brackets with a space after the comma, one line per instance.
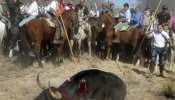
[32, 11]
[164, 16]
[103, 8]
[53, 10]
[83, 13]
[137, 17]
[125, 20]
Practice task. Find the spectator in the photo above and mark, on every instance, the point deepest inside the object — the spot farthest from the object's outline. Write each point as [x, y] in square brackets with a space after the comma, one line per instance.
[146, 19]
[137, 17]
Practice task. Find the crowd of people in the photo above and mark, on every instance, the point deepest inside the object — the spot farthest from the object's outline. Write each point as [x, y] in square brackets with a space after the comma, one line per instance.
[132, 16]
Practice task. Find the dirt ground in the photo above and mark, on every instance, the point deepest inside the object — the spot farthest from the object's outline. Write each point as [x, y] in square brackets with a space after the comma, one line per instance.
[18, 83]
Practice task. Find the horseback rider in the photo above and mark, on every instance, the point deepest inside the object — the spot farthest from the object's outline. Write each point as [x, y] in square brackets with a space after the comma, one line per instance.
[112, 9]
[83, 13]
[103, 8]
[94, 13]
[125, 20]
[53, 11]
[164, 16]
[137, 17]
[32, 12]
[41, 9]
[127, 14]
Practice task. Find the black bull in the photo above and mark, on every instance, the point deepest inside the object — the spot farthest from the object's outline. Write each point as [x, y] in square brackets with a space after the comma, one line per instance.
[86, 85]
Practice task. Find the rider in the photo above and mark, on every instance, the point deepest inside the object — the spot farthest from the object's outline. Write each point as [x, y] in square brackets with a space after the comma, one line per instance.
[52, 12]
[164, 16]
[112, 10]
[32, 11]
[83, 13]
[41, 9]
[127, 14]
[103, 8]
[137, 17]
[125, 20]
[146, 19]
[94, 12]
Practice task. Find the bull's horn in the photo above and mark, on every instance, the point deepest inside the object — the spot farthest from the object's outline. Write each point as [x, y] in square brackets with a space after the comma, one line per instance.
[56, 95]
[40, 84]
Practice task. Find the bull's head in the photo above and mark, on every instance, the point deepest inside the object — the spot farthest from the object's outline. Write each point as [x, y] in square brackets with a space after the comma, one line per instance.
[55, 94]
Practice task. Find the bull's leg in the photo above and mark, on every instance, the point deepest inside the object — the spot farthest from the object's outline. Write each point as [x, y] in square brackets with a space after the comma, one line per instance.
[37, 49]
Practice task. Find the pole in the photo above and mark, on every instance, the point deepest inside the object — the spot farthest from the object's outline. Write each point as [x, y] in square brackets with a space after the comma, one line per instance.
[64, 28]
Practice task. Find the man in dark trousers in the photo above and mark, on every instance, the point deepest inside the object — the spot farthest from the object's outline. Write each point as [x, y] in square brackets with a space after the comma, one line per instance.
[160, 37]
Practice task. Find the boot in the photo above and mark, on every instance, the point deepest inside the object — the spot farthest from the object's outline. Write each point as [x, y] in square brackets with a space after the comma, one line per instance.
[151, 68]
[161, 71]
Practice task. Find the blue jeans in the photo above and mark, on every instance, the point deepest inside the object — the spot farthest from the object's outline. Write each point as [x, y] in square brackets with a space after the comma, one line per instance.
[157, 51]
[26, 20]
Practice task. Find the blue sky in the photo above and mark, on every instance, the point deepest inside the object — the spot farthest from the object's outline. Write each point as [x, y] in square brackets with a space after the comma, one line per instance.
[119, 3]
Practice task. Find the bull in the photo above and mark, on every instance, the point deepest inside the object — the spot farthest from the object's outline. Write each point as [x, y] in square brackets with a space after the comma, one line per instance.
[86, 85]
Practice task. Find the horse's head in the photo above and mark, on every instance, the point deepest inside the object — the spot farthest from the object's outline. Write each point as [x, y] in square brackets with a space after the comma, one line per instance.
[105, 20]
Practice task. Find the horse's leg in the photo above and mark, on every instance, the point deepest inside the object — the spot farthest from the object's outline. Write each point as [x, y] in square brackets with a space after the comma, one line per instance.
[37, 49]
[89, 47]
[109, 44]
[79, 49]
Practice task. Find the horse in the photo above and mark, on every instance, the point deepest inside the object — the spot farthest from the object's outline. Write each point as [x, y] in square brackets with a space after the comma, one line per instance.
[3, 33]
[38, 31]
[107, 22]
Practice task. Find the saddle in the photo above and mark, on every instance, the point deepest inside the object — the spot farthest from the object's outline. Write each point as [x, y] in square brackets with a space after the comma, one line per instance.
[49, 23]
[125, 28]
[122, 27]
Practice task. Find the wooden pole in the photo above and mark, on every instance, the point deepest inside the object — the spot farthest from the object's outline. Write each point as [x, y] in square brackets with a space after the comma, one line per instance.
[64, 28]
[154, 15]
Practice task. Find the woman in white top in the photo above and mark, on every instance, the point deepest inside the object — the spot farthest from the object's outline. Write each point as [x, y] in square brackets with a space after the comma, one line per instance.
[32, 11]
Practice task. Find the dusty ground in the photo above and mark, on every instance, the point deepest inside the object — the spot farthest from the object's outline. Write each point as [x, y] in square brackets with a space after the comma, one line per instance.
[17, 83]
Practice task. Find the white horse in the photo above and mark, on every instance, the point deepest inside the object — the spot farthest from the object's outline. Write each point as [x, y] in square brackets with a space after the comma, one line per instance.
[2, 34]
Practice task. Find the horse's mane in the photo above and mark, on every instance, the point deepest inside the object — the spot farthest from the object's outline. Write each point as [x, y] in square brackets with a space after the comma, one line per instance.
[110, 17]
[67, 12]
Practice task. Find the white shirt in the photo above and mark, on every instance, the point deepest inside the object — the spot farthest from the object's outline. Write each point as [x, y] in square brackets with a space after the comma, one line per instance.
[127, 15]
[158, 38]
[93, 13]
[52, 5]
[33, 9]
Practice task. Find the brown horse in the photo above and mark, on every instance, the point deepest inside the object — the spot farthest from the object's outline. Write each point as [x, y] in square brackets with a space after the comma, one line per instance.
[109, 22]
[130, 37]
[38, 31]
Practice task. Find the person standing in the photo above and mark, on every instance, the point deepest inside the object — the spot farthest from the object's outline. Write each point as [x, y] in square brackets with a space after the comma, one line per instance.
[160, 37]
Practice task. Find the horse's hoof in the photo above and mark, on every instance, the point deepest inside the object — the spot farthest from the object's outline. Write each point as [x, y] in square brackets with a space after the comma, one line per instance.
[40, 65]
[61, 60]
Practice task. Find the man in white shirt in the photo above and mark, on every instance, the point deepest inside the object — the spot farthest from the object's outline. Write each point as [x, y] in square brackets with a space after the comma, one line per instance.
[127, 13]
[32, 11]
[94, 12]
[52, 8]
[160, 38]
